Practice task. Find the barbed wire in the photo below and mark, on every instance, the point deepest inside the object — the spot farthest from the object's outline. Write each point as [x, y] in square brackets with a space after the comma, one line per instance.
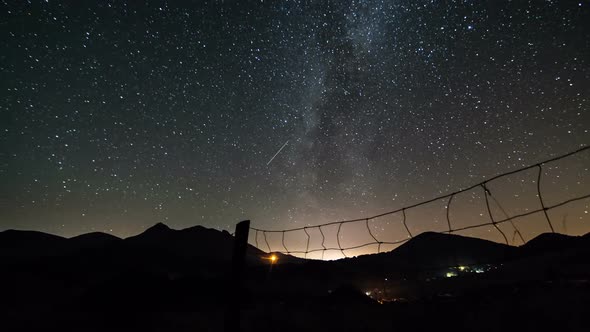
[483, 185]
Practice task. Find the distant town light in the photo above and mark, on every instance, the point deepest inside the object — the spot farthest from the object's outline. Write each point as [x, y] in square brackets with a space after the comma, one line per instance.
[462, 268]
[451, 274]
[273, 258]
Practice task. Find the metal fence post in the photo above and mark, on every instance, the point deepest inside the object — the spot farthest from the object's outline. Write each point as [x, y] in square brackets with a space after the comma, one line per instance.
[232, 314]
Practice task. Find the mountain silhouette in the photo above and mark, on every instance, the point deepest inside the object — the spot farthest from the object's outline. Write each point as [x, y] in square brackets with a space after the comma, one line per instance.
[448, 249]
[195, 241]
[159, 266]
[158, 231]
[17, 243]
[426, 250]
[549, 242]
[92, 240]
[160, 241]
[431, 250]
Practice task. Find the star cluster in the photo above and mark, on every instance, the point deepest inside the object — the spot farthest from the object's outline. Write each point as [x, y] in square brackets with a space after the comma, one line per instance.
[118, 115]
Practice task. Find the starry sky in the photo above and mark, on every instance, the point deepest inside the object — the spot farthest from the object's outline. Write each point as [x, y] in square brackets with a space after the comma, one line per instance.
[117, 115]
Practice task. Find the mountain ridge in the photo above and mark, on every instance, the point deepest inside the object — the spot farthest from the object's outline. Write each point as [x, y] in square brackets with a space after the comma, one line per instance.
[423, 250]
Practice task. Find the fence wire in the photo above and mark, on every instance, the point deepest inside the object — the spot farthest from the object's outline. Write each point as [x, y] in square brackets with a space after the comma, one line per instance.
[488, 197]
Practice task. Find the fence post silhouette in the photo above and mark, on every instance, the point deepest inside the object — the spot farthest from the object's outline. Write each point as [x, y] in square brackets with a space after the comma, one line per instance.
[232, 313]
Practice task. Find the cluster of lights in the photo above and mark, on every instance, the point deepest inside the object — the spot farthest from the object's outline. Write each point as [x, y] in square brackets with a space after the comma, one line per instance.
[463, 268]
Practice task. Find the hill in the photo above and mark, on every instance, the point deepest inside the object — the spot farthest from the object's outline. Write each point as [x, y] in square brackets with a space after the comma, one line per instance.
[92, 240]
[198, 242]
[21, 244]
[431, 250]
[547, 242]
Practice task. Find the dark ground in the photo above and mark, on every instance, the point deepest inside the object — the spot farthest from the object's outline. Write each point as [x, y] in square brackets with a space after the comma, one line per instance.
[546, 288]
[534, 305]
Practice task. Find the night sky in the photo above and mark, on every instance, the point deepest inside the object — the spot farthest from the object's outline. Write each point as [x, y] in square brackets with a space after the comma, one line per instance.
[116, 116]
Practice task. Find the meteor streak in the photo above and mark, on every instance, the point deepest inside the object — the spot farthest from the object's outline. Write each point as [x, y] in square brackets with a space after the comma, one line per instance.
[273, 157]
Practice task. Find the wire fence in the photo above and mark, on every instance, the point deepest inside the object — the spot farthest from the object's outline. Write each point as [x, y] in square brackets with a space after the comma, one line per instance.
[261, 235]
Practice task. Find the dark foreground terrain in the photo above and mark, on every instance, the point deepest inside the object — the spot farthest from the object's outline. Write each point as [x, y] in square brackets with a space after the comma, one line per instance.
[541, 306]
[168, 280]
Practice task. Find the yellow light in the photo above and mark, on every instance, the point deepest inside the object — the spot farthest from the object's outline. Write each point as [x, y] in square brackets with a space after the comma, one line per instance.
[462, 268]
[273, 258]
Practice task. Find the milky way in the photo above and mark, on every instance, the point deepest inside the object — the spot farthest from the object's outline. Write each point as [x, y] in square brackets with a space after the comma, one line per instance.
[120, 115]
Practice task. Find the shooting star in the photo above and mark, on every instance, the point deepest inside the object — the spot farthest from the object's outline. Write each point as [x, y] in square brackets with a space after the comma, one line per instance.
[273, 157]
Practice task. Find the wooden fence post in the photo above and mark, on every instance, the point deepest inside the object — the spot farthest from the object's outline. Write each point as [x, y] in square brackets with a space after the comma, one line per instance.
[232, 314]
